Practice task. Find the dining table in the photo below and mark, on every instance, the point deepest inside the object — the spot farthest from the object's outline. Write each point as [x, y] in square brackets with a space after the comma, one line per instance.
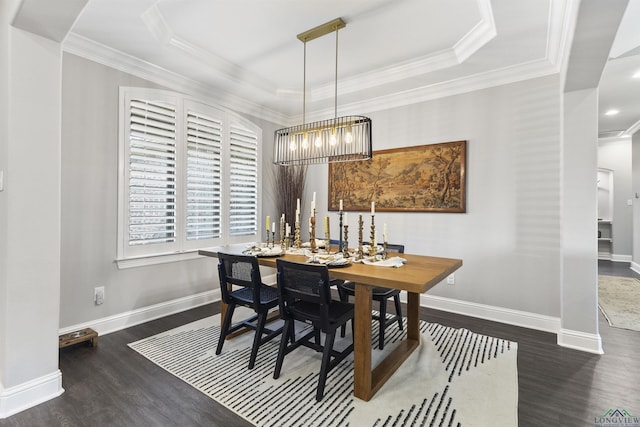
[417, 275]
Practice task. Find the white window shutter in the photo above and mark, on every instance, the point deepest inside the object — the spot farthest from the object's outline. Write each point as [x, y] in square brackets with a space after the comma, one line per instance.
[204, 182]
[152, 173]
[243, 191]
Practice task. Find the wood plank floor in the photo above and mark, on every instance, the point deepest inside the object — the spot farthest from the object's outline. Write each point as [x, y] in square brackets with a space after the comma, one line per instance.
[112, 385]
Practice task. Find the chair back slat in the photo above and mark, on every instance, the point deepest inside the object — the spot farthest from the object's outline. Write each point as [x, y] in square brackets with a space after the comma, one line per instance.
[303, 282]
[239, 270]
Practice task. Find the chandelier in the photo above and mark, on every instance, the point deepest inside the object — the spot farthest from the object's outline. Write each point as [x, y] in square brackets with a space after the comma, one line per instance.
[340, 139]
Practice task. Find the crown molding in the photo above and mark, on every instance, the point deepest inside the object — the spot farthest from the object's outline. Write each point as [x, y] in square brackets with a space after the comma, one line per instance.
[101, 54]
[481, 34]
[507, 75]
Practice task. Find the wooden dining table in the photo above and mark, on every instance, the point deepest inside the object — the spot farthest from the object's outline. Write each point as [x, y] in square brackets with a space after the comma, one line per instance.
[419, 274]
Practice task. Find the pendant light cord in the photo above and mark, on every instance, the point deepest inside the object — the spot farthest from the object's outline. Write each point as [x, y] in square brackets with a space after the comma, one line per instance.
[335, 94]
[304, 84]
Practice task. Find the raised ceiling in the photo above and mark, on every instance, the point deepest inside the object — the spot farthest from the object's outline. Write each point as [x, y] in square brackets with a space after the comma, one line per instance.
[392, 52]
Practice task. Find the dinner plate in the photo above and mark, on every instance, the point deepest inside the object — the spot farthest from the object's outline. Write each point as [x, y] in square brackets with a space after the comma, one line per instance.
[263, 252]
[339, 264]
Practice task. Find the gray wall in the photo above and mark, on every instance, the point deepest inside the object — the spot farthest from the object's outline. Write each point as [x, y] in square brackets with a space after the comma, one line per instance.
[616, 155]
[89, 206]
[635, 148]
[509, 239]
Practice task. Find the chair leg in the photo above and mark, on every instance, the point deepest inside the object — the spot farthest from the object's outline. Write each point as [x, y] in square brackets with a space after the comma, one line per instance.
[262, 319]
[382, 323]
[326, 359]
[286, 333]
[226, 324]
[396, 300]
[344, 297]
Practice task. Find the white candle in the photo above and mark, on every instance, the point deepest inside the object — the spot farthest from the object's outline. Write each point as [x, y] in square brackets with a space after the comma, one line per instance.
[298, 206]
[340, 204]
[267, 222]
[345, 221]
[288, 227]
[273, 226]
[373, 208]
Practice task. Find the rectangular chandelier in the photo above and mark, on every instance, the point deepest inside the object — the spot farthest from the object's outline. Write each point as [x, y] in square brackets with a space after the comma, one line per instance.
[341, 139]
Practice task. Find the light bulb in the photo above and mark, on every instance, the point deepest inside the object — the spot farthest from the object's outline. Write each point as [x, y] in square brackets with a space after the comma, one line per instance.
[348, 138]
[292, 145]
[333, 140]
[318, 141]
[305, 142]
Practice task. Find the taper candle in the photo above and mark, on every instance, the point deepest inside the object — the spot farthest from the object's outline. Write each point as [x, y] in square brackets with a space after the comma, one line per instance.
[267, 222]
[326, 224]
[373, 208]
[340, 204]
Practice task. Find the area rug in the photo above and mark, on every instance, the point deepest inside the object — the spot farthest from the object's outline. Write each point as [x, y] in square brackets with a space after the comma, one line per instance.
[619, 301]
[454, 378]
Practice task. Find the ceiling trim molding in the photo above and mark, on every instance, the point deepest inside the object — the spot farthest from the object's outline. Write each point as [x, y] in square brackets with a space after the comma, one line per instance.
[633, 129]
[222, 69]
[507, 75]
[96, 52]
[481, 34]
[118, 60]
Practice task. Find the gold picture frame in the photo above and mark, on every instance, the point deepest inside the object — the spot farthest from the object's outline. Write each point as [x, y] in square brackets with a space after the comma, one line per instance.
[423, 178]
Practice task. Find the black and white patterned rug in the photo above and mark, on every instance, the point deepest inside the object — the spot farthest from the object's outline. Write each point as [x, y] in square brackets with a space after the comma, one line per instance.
[454, 378]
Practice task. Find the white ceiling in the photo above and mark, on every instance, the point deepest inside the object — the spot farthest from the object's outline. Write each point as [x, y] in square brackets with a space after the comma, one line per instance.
[392, 52]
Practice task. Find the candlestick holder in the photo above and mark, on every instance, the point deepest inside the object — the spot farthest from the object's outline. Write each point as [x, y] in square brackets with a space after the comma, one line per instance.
[345, 247]
[327, 241]
[287, 243]
[273, 239]
[268, 238]
[360, 253]
[384, 250]
[297, 242]
[373, 247]
[312, 237]
[282, 245]
[340, 213]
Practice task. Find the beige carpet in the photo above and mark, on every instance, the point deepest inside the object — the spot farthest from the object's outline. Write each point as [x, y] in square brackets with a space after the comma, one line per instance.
[619, 301]
[455, 378]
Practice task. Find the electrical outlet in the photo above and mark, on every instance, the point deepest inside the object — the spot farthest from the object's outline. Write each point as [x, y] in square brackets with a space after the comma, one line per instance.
[451, 279]
[98, 295]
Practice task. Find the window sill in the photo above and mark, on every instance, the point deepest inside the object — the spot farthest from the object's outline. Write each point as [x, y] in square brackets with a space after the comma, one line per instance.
[156, 259]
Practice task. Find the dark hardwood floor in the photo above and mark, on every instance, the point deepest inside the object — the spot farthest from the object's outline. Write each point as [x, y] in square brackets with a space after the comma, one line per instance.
[112, 385]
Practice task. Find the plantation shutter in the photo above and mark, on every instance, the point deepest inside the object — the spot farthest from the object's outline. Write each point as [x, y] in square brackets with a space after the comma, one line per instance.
[152, 173]
[243, 199]
[204, 183]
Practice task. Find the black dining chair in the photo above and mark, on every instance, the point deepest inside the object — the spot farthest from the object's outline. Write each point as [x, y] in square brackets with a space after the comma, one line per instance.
[243, 272]
[305, 296]
[380, 294]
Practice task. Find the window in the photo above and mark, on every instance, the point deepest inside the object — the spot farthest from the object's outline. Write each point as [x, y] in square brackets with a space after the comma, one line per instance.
[189, 175]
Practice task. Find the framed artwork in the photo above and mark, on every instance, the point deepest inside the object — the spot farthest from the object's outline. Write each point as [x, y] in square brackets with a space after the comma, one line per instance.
[424, 178]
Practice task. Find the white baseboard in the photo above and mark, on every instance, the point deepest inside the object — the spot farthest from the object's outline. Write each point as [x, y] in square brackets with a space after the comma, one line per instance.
[621, 258]
[135, 317]
[577, 340]
[27, 395]
[496, 314]
[635, 267]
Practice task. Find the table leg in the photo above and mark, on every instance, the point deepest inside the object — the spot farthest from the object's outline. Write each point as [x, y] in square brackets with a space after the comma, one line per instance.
[362, 343]
[368, 381]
